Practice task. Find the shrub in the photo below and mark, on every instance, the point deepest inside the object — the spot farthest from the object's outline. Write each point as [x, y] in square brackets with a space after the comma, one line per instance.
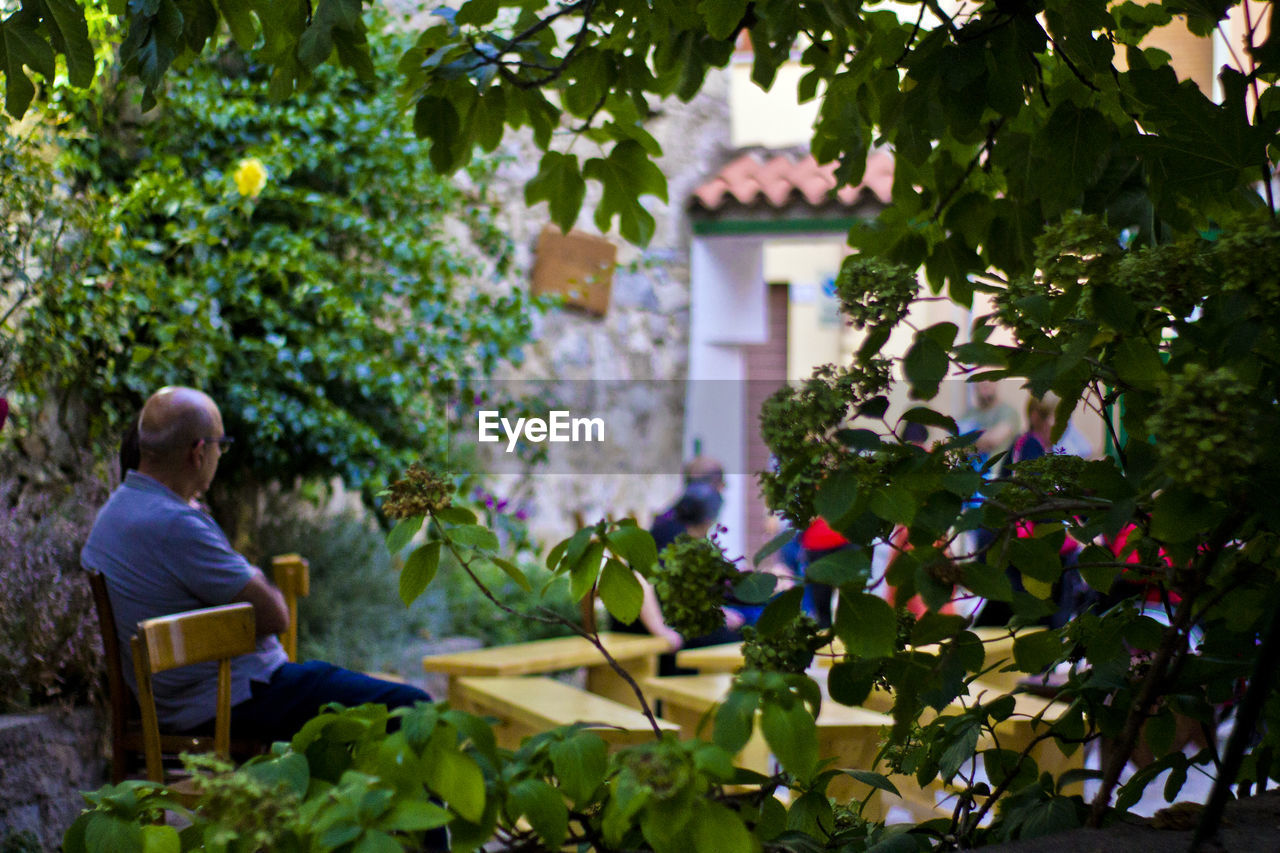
[50, 649]
[456, 606]
[354, 616]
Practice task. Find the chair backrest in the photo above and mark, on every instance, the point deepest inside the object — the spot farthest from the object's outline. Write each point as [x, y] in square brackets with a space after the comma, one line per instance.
[122, 707]
[197, 636]
[292, 575]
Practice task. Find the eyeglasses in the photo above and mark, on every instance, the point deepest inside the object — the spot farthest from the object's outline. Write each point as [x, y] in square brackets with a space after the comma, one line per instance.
[223, 442]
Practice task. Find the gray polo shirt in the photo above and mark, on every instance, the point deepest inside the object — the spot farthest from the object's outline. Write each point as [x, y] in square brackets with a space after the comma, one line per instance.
[161, 556]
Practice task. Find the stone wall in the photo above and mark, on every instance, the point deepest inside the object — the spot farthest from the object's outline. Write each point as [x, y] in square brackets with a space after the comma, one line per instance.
[46, 759]
[644, 336]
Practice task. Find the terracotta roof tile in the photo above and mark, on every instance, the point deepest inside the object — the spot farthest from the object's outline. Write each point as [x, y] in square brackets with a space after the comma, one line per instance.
[784, 180]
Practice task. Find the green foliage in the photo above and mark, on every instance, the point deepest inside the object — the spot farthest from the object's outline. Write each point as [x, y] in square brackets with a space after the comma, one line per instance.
[787, 650]
[332, 314]
[346, 783]
[692, 583]
[19, 842]
[353, 582]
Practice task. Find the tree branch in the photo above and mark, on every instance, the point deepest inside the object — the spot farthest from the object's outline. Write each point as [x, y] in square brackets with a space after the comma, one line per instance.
[592, 637]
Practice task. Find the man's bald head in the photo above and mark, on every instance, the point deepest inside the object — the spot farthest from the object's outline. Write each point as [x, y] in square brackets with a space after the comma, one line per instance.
[172, 421]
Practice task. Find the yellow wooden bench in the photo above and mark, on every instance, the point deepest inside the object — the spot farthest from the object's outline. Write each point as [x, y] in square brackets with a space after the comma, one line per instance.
[637, 653]
[527, 705]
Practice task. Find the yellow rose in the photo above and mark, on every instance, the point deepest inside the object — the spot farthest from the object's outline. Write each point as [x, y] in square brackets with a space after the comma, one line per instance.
[251, 177]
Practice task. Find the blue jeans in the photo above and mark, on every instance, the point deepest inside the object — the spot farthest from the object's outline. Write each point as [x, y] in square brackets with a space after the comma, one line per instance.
[296, 692]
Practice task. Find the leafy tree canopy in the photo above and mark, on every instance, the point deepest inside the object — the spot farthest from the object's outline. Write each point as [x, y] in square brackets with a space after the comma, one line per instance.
[304, 264]
[1002, 115]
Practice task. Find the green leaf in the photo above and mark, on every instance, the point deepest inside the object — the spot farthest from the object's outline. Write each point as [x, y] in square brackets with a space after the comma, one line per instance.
[418, 571]
[72, 39]
[1180, 514]
[811, 815]
[576, 547]
[457, 779]
[415, 816]
[722, 16]
[859, 439]
[636, 546]
[624, 176]
[290, 769]
[628, 796]
[476, 13]
[928, 417]
[402, 534]
[473, 536]
[556, 554]
[512, 571]
[792, 736]
[780, 612]
[735, 718]
[1098, 577]
[836, 497]
[545, 809]
[373, 841]
[755, 587]
[110, 834]
[239, 18]
[717, 829]
[936, 627]
[894, 503]
[925, 365]
[582, 577]
[1036, 558]
[580, 761]
[1076, 142]
[21, 45]
[875, 780]
[1033, 652]
[455, 515]
[1138, 364]
[988, 581]
[160, 839]
[620, 591]
[437, 120]
[866, 625]
[559, 182]
[846, 566]
[850, 681]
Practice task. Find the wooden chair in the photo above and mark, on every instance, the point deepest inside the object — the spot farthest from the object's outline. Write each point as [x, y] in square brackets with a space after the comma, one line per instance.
[198, 636]
[292, 576]
[126, 723]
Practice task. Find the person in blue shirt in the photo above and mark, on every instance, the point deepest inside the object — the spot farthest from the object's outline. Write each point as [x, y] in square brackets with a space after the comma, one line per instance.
[161, 555]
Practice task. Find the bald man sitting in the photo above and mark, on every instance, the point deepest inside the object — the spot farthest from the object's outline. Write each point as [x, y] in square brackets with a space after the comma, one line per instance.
[161, 555]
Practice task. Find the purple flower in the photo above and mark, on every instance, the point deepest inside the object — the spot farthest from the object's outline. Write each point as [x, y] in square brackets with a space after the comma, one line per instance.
[4, 411]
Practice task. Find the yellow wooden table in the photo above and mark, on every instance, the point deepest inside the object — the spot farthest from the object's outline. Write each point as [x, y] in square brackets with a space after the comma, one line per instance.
[637, 653]
[527, 705]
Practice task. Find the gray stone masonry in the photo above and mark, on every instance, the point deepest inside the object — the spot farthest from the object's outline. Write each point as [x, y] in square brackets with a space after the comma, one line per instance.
[46, 759]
